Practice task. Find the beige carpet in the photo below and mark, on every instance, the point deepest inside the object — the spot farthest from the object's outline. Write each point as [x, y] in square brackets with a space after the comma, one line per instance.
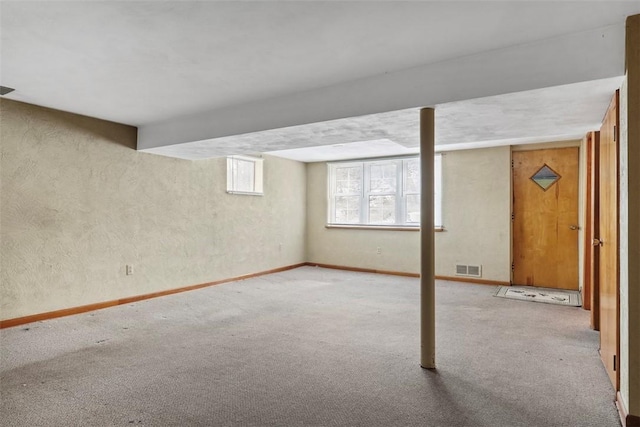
[311, 347]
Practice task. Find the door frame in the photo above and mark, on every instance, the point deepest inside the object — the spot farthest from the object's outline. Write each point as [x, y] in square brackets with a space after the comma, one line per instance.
[591, 264]
[615, 103]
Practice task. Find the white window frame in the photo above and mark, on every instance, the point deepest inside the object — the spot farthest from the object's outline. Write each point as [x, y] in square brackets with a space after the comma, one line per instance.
[233, 184]
[437, 191]
[401, 193]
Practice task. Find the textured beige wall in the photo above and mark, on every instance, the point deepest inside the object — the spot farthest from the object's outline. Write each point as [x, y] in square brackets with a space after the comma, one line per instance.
[78, 204]
[630, 222]
[399, 250]
[476, 210]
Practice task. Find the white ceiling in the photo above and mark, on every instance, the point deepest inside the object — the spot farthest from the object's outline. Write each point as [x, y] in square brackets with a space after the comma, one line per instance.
[352, 150]
[154, 63]
[558, 113]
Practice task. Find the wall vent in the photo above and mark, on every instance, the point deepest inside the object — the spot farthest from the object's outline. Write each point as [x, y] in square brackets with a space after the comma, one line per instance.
[468, 270]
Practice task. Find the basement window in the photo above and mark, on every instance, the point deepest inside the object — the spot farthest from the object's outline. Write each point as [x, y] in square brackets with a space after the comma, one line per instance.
[381, 193]
[244, 175]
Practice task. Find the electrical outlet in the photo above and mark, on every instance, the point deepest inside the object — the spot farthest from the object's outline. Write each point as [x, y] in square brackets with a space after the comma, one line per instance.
[379, 250]
[129, 269]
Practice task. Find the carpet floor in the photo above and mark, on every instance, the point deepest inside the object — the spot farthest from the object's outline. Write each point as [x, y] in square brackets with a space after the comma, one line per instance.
[309, 346]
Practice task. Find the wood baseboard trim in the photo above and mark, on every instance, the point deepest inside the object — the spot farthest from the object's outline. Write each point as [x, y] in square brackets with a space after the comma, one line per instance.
[626, 419]
[473, 280]
[9, 323]
[363, 270]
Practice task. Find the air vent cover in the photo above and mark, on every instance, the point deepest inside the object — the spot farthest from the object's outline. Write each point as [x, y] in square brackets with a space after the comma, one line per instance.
[461, 270]
[468, 270]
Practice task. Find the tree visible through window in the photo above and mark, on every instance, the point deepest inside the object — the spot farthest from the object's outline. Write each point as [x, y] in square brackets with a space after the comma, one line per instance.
[347, 194]
[379, 192]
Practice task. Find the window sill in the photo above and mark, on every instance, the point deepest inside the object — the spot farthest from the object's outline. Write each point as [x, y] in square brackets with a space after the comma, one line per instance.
[379, 227]
[244, 193]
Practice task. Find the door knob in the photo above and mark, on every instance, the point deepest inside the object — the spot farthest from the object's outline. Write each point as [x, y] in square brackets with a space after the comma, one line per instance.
[597, 242]
[574, 227]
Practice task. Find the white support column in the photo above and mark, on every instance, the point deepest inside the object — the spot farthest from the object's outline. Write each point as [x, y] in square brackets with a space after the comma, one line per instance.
[427, 258]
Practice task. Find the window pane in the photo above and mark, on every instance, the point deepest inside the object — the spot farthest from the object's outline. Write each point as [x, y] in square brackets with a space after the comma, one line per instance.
[244, 175]
[413, 176]
[382, 209]
[438, 191]
[347, 209]
[349, 180]
[383, 178]
[545, 177]
[391, 194]
[413, 208]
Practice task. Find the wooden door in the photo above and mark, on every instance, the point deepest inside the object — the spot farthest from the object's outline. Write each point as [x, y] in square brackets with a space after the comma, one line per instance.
[545, 218]
[608, 242]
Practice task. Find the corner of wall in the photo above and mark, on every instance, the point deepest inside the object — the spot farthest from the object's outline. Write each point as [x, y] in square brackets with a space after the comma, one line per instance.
[79, 203]
[305, 255]
[478, 181]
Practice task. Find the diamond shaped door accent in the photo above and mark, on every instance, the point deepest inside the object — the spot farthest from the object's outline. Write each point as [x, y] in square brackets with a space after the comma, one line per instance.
[545, 177]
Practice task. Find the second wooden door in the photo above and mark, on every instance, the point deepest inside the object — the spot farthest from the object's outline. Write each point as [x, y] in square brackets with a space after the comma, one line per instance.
[607, 240]
[545, 218]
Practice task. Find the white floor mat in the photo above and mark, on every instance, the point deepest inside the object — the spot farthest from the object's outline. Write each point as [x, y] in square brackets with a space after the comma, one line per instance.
[546, 295]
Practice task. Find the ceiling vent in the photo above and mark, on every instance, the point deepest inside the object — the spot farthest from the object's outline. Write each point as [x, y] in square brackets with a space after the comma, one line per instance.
[468, 270]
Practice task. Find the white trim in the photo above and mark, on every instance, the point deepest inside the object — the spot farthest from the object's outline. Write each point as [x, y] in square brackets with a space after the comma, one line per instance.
[438, 221]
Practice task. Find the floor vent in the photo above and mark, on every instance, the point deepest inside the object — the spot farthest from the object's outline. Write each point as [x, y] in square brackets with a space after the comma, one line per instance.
[468, 270]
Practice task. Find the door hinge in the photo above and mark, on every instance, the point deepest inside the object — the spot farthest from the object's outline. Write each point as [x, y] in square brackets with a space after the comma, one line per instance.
[614, 363]
[512, 164]
[513, 216]
[513, 266]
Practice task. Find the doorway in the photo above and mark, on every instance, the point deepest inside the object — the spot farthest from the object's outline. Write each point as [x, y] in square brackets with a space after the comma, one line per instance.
[545, 218]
